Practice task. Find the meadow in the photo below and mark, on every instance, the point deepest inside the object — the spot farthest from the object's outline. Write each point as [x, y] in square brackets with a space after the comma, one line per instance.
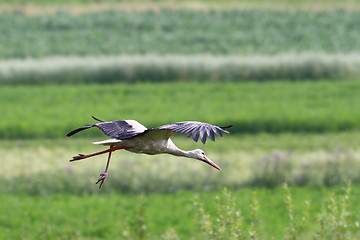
[220, 2]
[187, 32]
[251, 107]
[282, 213]
[286, 77]
[178, 45]
[45, 196]
[179, 68]
[41, 167]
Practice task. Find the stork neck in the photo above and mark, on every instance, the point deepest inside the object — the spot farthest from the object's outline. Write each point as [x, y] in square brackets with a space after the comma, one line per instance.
[181, 153]
[174, 150]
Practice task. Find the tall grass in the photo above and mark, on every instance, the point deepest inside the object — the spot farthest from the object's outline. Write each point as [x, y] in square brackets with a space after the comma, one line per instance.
[221, 2]
[228, 223]
[42, 168]
[178, 32]
[334, 221]
[175, 216]
[52, 111]
[169, 68]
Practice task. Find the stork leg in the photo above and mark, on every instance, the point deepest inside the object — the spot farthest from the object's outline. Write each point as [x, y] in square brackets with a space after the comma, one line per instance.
[82, 156]
[104, 174]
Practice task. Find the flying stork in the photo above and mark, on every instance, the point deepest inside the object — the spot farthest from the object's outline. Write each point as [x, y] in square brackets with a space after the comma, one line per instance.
[135, 137]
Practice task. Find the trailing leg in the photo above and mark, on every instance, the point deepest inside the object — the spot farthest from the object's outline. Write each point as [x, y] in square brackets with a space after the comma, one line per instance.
[82, 156]
[104, 174]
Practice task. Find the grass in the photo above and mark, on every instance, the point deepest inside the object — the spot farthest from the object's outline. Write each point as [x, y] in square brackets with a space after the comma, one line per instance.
[183, 215]
[62, 201]
[232, 222]
[211, 3]
[178, 32]
[41, 167]
[49, 110]
[168, 68]
[46, 7]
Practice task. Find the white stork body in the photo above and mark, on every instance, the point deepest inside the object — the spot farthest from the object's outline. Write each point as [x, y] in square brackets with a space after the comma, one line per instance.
[150, 144]
[134, 137]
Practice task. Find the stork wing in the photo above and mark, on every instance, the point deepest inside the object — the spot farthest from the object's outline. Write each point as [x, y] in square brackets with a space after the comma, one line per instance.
[194, 129]
[116, 129]
[121, 129]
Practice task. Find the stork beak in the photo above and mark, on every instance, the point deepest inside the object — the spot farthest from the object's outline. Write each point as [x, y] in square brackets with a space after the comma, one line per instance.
[211, 163]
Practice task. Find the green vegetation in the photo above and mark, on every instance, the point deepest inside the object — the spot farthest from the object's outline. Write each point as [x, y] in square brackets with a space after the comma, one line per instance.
[178, 32]
[231, 222]
[167, 65]
[219, 2]
[175, 68]
[51, 111]
[184, 216]
[41, 166]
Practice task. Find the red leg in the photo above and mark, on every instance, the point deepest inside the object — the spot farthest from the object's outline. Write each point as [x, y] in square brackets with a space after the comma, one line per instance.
[104, 175]
[82, 156]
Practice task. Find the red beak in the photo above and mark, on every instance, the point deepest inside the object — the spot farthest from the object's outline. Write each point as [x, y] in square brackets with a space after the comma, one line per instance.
[211, 163]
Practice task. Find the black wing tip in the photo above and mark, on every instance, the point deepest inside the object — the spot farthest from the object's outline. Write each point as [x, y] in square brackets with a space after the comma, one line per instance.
[225, 131]
[79, 129]
[203, 139]
[97, 119]
[72, 132]
[211, 134]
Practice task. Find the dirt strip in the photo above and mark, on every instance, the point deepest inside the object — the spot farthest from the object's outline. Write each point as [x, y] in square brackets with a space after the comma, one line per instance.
[31, 9]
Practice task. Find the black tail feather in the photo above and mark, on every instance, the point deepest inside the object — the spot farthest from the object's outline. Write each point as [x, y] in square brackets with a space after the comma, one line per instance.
[79, 129]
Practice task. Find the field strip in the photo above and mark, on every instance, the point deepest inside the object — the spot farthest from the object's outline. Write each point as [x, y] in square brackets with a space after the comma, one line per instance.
[50, 170]
[77, 8]
[180, 32]
[128, 68]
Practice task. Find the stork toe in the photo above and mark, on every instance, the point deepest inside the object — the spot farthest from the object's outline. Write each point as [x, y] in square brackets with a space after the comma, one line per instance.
[78, 157]
[102, 179]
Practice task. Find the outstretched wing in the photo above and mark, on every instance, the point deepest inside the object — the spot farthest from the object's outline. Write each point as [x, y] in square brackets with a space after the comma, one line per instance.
[121, 129]
[116, 129]
[195, 130]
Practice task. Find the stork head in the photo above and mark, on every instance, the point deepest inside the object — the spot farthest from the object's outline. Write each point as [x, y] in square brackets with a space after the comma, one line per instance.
[200, 155]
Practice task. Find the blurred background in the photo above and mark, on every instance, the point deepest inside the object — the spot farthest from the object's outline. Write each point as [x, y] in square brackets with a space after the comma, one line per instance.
[284, 73]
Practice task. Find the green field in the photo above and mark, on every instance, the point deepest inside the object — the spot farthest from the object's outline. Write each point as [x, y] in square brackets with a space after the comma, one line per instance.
[41, 167]
[180, 68]
[308, 45]
[220, 2]
[139, 217]
[49, 111]
[284, 73]
[179, 32]
[52, 198]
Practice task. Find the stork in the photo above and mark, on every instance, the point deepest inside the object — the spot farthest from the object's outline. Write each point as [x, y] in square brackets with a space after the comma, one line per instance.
[135, 137]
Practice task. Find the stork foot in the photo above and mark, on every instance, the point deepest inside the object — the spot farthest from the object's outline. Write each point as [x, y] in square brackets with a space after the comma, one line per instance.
[102, 179]
[78, 157]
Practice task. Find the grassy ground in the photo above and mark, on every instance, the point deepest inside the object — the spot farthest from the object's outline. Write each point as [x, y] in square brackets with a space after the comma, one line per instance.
[182, 3]
[43, 196]
[49, 111]
[178, 32]
[176, 68]
[45, 7]
[42, 167]
[266, 216]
